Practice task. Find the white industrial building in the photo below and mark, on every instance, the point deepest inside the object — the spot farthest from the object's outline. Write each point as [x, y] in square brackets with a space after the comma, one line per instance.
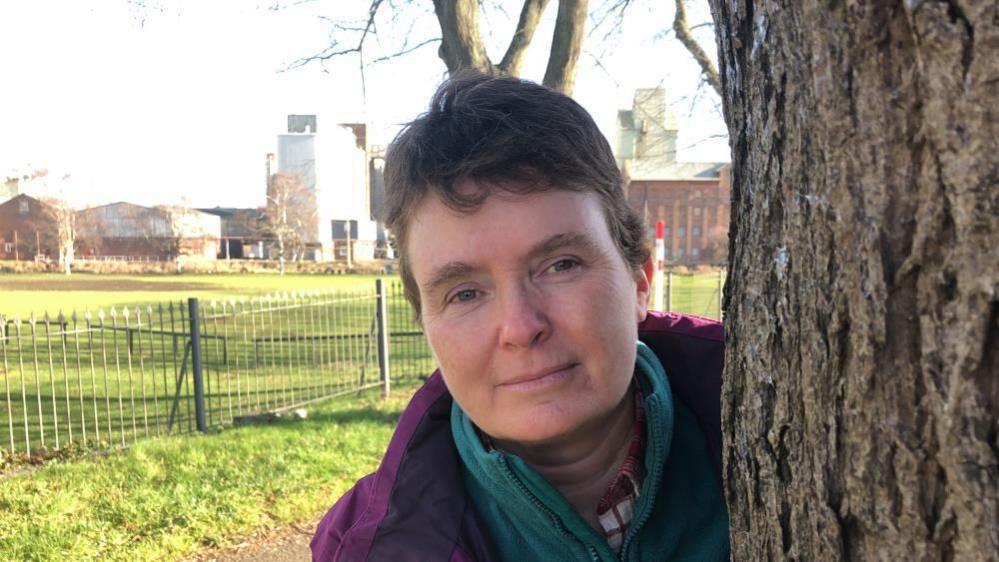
[333, 166]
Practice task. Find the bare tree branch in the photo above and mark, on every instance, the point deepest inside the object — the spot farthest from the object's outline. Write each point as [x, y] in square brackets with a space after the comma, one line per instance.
[341, 27]
[331, 51]
[682, 30]
[567, 44]
[616, 8]
[461, 44]
[277, 6]
[406, 50]
[530, 15]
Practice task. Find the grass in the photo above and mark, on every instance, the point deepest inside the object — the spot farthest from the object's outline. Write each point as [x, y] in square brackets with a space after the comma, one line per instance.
[22, 294]
[171, 497]
[696, 294]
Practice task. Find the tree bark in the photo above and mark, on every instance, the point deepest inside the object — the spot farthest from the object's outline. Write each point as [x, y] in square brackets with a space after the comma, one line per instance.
[567, 44]
[861, 399]
[530, 15]
[461, 40]
[682, 30]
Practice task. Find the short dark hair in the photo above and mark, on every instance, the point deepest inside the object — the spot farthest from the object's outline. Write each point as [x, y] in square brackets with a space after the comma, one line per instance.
[507, 134]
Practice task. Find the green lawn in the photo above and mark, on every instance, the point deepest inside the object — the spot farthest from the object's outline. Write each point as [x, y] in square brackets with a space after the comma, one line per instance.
[696, 294]
[167, 498]
[23, 294]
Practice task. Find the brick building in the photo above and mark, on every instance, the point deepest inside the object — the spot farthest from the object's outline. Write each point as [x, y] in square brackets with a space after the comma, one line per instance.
[27, 229]
[691, 198]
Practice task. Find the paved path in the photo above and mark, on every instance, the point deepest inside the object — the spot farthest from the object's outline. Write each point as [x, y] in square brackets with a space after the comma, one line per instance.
[293, 546]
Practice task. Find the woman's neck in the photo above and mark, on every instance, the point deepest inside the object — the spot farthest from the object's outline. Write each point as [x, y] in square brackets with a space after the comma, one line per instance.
[581, 466]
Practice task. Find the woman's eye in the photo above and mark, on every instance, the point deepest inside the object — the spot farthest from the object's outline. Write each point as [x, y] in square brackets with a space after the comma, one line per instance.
[564, 265]
[464, 295]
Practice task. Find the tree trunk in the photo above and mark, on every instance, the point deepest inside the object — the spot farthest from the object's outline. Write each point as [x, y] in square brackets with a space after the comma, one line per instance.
[530, 16]
[66, 255]
[461, 41]
[861, 398]
[281, 254]
[567, 44]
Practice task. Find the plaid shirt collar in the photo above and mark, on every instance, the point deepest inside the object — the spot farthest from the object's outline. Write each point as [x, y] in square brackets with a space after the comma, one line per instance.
[616, 508]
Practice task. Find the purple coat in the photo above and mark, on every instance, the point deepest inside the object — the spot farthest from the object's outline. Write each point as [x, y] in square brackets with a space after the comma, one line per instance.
[414, 507]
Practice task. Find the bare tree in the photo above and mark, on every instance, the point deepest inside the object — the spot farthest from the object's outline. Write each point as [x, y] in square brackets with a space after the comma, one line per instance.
[181, 231]
[63, 218]
[683, 33]
[290, 215]
[89, 229]
[716, 243]
[861, 391]
[462, 45]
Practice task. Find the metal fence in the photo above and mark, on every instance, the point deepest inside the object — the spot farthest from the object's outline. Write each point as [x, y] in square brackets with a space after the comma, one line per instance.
[698, 293]
[106, 378]
[98, 379]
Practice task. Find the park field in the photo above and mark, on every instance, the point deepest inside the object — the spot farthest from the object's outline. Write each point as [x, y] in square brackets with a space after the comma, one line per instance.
[23, 294]
[170, 498]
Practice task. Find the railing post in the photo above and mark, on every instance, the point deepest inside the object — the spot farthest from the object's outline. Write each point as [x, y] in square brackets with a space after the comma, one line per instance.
[383, 336]
[199, 383]
[669, 291]
[721, 281]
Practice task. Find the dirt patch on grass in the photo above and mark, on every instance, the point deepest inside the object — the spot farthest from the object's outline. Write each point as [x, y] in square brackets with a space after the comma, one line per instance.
[115, 285]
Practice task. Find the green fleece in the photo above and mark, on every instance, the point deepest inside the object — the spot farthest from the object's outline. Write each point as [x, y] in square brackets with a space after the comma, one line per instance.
[680, 514]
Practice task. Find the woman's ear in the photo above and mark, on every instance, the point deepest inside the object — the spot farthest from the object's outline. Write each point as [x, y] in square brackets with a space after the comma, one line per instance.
[643, 289]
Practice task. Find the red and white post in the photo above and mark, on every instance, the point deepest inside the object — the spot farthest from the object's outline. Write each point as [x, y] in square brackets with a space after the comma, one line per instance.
[659, 259]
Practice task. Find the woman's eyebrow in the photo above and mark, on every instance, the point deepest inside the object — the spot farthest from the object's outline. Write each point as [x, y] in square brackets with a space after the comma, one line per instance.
[559, 241]
[448, 273]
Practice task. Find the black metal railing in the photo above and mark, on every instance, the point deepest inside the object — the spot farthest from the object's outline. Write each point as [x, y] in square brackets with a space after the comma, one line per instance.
[106, 378]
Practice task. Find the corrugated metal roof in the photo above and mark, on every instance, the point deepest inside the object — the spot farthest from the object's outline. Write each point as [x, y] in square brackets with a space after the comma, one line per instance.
[650, 169]
[239, 222]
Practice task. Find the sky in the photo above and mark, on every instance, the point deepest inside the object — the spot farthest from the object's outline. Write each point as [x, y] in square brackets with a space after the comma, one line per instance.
[179, 101]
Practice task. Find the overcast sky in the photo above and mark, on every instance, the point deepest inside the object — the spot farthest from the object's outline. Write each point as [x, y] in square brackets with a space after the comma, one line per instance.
[178, 101]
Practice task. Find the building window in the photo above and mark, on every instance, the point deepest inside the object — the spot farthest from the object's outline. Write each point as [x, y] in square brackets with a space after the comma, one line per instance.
[695, 252]
[679, 252]
[8, 247]
[23, 207]
[697, 211]
[666, 252]
[682, 231]
[695, 231]
[666, 232]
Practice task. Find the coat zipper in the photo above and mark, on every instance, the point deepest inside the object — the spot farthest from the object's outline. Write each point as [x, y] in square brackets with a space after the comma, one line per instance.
[544, 509]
